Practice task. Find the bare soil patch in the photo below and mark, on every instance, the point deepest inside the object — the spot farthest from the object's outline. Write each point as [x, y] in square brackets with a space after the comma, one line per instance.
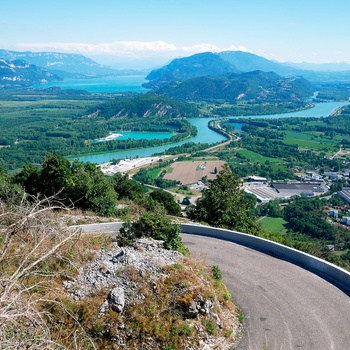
[192, 172]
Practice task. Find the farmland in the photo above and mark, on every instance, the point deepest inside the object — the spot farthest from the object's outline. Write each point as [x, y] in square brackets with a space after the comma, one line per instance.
[194, 171]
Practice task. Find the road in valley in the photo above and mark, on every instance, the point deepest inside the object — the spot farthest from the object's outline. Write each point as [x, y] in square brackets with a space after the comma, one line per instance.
[285, 306]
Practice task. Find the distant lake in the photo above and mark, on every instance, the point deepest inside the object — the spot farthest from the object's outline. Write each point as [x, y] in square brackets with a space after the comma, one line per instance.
[117, 83]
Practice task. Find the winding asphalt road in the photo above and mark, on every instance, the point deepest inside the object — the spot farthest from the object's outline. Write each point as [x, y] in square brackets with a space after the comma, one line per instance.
[285, 306]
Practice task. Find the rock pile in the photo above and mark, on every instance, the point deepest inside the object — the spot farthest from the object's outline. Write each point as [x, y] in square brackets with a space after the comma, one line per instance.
[111, 270]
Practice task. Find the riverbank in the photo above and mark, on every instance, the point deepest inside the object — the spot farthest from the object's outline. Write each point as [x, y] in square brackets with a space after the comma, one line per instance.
[205, 135]
[125, 165]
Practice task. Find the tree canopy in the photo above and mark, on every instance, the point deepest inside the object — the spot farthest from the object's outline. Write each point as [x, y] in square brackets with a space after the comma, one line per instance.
[225, 205]
[78, 183]
[167, 200]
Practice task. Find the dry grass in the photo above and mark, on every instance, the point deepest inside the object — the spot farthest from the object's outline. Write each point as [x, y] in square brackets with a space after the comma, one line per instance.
[37, 254]
[161, 320]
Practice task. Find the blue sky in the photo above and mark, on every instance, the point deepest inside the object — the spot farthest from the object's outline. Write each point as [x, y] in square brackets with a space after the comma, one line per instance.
[145, 33]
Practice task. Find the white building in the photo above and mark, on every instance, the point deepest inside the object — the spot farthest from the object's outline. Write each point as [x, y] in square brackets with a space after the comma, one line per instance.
[345, 220]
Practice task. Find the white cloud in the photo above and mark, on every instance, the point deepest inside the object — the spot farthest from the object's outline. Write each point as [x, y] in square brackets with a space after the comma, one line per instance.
[127, 48]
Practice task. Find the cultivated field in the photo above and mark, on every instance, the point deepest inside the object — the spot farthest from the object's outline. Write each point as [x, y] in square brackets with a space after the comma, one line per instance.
[192, 172]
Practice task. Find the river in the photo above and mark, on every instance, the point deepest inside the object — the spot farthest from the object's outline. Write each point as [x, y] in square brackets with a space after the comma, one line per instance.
[206, 135]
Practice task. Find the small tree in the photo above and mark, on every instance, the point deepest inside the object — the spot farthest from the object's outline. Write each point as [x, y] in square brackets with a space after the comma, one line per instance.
[225, 205]
[167, 200]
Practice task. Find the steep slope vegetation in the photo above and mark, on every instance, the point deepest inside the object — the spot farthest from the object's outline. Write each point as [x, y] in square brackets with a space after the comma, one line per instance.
[144, 106]
[255, 86]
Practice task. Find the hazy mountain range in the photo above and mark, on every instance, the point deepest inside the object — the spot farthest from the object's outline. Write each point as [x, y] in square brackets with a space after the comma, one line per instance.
[58, 62]
[19, 74]
[215, 64]
[25, 69]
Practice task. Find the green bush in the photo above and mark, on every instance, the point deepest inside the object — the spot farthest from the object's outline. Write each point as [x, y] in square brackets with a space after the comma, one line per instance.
[156, 225]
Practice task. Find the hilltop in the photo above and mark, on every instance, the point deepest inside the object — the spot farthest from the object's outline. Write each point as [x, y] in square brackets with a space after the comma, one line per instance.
[146, 105]
[198, 65]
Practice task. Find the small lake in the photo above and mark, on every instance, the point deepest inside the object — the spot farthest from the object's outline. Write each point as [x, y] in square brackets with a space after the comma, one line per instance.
[144, 135]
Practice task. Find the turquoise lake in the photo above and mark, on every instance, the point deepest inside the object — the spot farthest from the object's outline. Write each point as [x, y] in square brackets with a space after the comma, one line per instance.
[142, 135]
[205, 135]
[117, 83]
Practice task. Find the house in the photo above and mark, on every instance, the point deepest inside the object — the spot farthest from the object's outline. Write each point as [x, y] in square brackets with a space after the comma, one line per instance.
[345, 220]
[334, 213]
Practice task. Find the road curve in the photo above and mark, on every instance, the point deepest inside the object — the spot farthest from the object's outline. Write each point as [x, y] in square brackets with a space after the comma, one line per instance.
[285, 306]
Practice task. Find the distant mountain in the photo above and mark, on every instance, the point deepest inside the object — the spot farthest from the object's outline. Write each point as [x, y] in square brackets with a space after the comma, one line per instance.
[255, 86]
[19, 74]
[58, 62]
[180, 69]
[216, 64]
[213, 64]
[324, 67]
[247, 62]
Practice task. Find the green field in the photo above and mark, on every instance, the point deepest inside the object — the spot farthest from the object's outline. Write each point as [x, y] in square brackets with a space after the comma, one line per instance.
[256, 157]
[153, 174]
[310, 141]
[276, 225]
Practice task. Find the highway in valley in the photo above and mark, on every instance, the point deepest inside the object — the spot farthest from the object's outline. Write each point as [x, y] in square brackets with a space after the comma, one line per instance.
[285, 306]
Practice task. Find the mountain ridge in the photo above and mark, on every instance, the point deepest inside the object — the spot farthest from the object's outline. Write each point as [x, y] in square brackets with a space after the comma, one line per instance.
[201, 64]
[57, 62]
[20, 74]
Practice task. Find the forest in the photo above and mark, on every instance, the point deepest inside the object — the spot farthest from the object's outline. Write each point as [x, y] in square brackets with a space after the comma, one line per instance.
[31, 129]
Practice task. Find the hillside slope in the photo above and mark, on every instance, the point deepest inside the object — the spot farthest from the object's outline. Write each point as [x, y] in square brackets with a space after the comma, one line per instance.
[246, 62]
[144, 106]
[251, 86]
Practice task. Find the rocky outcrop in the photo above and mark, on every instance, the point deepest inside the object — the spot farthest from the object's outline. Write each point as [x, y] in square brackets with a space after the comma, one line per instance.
[146, 289]
[116, 269]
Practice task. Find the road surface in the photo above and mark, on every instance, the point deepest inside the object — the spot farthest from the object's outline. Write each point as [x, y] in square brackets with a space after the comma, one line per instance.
[285, 306]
